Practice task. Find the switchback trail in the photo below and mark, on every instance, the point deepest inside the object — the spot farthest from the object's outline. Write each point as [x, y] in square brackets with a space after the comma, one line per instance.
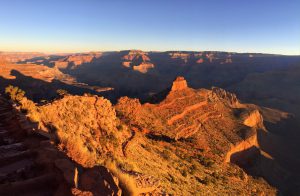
[126, 143]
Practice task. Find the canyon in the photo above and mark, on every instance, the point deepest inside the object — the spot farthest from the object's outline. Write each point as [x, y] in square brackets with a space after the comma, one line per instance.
[129, 122]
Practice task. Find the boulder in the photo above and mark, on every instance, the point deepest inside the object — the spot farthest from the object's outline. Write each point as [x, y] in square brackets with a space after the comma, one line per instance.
[69, 170]
[99, 181]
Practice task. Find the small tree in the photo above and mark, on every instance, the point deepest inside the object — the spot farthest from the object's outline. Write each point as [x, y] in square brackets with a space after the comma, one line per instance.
[14, 93]
[61, 92]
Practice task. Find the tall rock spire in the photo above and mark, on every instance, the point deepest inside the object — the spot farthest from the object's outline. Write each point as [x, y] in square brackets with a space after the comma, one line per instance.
[179, 84]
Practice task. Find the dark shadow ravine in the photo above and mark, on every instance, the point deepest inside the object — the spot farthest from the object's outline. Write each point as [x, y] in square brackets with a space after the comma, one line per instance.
[38, 90]
[271, 161]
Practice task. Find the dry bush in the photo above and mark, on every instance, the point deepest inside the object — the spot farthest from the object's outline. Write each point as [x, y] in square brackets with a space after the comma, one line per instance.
[29, 107]
[14, 93]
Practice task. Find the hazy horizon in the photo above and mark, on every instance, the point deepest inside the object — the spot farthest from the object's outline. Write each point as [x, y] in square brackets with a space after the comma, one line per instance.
[90, 51]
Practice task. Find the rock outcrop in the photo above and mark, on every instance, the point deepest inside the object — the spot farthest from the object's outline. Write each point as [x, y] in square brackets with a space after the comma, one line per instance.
[13, 57]
[134, 55]
[31, 164]
[212, 121]
[201, 114]
[138, 61]
[143, 67]
[223, 95]
[179, 84]
[253, 119]
[100, 181]
[61, 64]
[35, 71]
[180, 55]
[75, 60]
[85, 126]
[199, 61]
[243, 151]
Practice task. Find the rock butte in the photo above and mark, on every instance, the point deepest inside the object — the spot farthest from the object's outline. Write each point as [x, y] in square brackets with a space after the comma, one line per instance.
[179, 84]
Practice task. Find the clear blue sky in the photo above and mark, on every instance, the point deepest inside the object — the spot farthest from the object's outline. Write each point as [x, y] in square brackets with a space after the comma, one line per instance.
[271, 26]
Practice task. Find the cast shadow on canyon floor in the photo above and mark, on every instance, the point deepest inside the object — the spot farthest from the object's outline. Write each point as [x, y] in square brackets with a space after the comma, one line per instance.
[38, 90]
[271, 162]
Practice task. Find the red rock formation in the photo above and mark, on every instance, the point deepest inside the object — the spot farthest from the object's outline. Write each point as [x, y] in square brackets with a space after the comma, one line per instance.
[138, 60]
[75, 60]
[180, 55]
[210, 57]
[230, 98]
[179, 84]
[199, 61]
[143, 67]
[36, 71]
[80, 59]
[135, 55]
[253, 119]
[13, 57]
[126, 64]
[241, 148]
[61, 64]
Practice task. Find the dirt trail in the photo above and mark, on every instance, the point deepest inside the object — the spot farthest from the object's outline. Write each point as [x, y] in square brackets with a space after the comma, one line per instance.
[126, 143]
[185, 111]
[173, 101]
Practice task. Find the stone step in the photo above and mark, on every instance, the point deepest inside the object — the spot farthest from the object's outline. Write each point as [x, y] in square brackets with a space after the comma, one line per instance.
[42, 185]
[2, 130]
[16, 156]
[4, 134]
[7, 141]
[14, 146]
[7, 118]
[4, 108]
[10, 149]
[8, 113]
[18, 167]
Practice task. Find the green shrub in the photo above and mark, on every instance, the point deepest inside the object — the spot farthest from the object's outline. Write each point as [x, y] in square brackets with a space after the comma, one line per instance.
[166, 154]
[109, 139]
[172, 179]
[146, 147]
[61, 92]
[113, 139]
[193, 169]
[121, 127]
[205, 161]
[184, 173]
[125, 166]
[206, 180]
